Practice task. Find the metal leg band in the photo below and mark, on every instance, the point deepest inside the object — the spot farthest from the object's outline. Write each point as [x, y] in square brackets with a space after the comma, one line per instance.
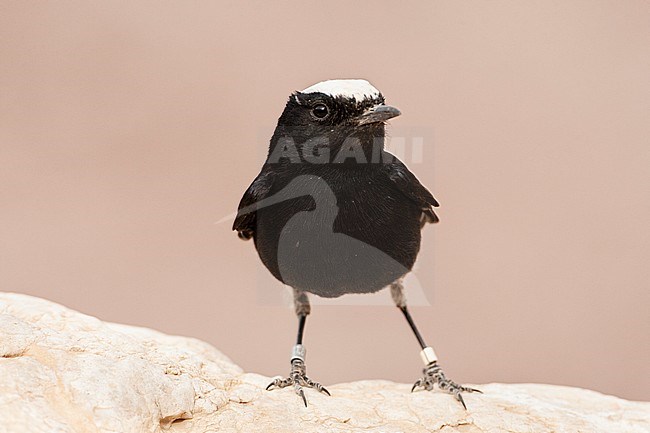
[428, 355]
[298, 352]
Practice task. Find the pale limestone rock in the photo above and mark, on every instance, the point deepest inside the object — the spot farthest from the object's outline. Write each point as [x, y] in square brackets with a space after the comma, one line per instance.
[62, 371]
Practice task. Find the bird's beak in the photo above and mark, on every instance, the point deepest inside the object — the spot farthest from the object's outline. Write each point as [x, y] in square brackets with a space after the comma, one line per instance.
[378, 113]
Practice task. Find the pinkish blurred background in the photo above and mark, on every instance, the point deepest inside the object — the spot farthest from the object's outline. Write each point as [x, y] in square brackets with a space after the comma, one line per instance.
[127, 129]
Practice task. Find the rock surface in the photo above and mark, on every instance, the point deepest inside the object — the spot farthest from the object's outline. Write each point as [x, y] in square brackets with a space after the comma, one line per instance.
[63, 371]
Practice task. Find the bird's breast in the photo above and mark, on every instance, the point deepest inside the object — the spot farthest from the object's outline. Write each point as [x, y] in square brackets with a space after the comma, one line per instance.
[351, 233]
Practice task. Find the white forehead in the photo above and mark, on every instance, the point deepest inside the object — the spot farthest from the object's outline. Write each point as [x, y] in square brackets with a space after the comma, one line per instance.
[357, 89]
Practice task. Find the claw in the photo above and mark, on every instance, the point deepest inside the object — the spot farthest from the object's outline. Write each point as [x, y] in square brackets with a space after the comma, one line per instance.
[459, 397]
[302, 394]
[276, 383]
[318, 386]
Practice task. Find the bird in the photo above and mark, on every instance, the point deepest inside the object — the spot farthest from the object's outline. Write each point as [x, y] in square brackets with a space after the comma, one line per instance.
[332, 212]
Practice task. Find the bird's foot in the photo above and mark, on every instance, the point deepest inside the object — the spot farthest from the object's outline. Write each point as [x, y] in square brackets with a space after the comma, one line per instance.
[298, 378]
[433, 375]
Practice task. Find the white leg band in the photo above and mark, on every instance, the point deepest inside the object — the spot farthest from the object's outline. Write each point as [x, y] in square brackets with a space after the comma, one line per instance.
[428, 355]
[299, 352]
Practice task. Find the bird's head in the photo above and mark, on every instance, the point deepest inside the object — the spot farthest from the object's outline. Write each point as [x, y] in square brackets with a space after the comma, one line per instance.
[331, 116]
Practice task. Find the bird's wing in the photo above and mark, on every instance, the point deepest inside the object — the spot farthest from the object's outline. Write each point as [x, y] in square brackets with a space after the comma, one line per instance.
[246, 219]
[410, 186]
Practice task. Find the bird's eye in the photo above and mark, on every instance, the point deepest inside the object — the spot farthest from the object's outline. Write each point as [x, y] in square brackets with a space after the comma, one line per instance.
[320, 111]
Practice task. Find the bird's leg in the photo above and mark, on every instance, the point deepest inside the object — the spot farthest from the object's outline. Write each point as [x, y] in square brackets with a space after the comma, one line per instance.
[298, 375]
[433, 374]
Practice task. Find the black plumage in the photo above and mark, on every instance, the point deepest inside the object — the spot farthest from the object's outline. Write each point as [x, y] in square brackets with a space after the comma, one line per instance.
[331, 212]
[360, 191]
